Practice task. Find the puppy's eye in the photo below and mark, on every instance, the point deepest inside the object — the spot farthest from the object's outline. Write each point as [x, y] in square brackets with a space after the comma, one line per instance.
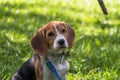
[51, 34]
[63, 31]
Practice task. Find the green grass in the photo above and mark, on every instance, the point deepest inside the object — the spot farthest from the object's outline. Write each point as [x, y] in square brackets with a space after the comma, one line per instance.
[96, 52]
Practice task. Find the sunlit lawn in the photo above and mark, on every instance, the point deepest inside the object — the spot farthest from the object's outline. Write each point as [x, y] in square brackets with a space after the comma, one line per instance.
[96, 52]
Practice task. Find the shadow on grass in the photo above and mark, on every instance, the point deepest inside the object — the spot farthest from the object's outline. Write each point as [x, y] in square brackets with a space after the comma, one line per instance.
[11, 56]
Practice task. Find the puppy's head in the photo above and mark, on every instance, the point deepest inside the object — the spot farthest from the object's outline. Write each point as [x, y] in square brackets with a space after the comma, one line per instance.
[54, 35]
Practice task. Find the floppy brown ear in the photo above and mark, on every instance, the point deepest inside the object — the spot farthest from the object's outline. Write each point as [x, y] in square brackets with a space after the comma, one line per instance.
[71, 36]
[39, 44]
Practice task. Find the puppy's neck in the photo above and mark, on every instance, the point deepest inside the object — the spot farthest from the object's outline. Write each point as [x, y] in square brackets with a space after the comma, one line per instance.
[56, 55]
[55, 52]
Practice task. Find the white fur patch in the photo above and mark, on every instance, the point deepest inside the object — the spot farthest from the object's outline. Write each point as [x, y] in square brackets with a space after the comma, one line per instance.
[58, 37]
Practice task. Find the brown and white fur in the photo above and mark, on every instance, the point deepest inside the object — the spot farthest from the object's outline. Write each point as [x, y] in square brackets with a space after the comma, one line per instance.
[49, 41]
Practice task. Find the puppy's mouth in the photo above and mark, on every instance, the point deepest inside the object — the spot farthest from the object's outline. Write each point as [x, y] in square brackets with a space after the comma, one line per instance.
[61, 47]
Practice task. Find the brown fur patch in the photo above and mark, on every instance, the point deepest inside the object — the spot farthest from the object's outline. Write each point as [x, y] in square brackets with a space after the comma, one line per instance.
[38, 69]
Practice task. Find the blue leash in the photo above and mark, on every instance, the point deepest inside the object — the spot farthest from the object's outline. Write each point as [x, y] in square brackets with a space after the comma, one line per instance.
[53, 70]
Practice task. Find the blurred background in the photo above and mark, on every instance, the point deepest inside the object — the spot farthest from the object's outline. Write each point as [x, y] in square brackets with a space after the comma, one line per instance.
[96, 51]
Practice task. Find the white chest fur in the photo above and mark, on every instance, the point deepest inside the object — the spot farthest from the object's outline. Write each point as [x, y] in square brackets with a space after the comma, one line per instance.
[61, 65]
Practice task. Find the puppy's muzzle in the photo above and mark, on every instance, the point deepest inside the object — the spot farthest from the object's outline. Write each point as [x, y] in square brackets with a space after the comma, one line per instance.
[61, 42]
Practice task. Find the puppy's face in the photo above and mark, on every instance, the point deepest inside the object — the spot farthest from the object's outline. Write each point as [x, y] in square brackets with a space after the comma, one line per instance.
[54, 35]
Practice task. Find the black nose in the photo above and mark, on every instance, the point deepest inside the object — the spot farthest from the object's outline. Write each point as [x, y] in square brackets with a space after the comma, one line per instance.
[61, 42]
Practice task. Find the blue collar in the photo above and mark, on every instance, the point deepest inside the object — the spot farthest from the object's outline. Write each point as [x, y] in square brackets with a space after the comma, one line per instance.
[53, 70]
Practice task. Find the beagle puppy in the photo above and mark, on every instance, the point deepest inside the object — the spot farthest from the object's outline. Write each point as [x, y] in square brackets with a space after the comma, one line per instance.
[49, 41]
